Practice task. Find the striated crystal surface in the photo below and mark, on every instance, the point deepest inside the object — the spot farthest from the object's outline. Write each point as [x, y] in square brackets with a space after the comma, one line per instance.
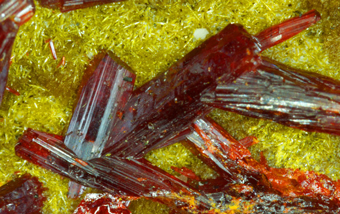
[13, 13]
[68, 5]
[22, 195]
[120, 177]
[166, 105]
[102, 203]
[100, 104]
[243, 179]
[289, 96]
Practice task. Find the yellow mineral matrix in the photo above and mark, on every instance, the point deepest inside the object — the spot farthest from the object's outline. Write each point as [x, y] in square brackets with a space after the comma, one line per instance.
[150, 36]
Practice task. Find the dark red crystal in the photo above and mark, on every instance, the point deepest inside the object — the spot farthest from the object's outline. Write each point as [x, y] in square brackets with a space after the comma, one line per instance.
[22, 195]
[289, 96]
[166, 105]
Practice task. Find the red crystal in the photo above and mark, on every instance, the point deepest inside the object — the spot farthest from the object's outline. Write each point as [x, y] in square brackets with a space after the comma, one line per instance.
[166, 105]
[289, 96]
[119, 177]
[22, 195]
[68, 5]
[103, 204]
[13, 14]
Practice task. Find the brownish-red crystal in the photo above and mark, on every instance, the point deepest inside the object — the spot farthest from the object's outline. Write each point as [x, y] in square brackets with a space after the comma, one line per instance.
[22, 195]
[166, 105]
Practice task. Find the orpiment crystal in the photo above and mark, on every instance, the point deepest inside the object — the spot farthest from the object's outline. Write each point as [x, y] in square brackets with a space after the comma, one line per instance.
[68, 5]
[292, 97]
[102, 203]
[13, 13]
[22, 195]
[166, 105]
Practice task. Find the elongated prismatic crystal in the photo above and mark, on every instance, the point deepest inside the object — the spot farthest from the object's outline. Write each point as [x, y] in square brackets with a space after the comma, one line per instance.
[13, 13]
[22, 195]
[167, 104]
[68, 5]
[292, 97]
[120, 177]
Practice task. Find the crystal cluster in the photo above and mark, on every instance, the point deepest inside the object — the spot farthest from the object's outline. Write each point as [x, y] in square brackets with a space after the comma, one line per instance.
[113, 127]
[22, 195]
[13, 13]
[68, 5]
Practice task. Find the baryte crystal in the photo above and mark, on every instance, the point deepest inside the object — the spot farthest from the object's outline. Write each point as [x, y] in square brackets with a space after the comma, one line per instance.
[68, 5]
[167, 104]
[22, 195]
[13, 13]
[289, 96]
[102, 203]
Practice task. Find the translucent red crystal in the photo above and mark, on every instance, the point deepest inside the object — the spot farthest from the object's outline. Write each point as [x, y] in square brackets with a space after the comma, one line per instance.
[13, 13]
[289, 96]
[166, 105]
[68, 5]
[120, 177]
[22, 195]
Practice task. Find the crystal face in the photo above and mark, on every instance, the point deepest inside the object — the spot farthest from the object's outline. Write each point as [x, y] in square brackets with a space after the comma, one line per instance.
[22, 195]
[68, 5]
[292, 97]
[13, 13]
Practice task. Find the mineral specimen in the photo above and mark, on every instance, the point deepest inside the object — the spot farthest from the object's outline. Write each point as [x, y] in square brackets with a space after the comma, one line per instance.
[22, 195]
[13, 13]
[167, 104]
[292, 97]
[68, 5]
[102, 203]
